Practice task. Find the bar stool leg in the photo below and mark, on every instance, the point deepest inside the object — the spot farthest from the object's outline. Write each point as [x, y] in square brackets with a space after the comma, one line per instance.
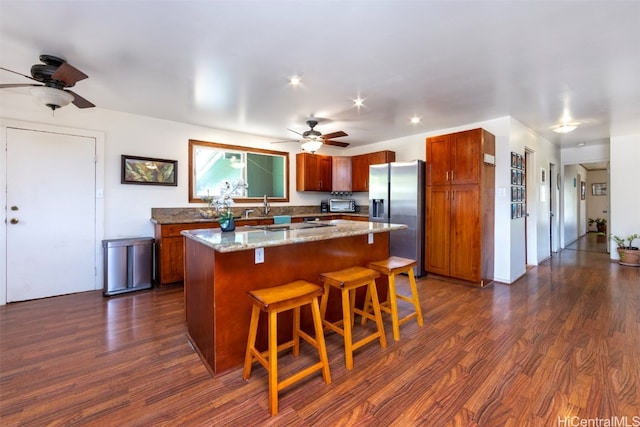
[322, 348]
[347, 316]
[377, 314]
[273, 362]
[414, 294]
[296, 330]
[251, 342]
[393, 303]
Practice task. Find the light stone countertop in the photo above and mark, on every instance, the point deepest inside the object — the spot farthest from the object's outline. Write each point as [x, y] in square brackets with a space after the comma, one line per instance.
[251, 237]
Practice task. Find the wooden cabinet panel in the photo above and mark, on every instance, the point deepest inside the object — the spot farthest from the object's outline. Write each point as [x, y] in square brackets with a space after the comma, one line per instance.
[466, 158]
[360, 173]
[438, 160]
[460, 203]
[341, 173]
[313, 172]
[465, 234]
[437, 230]
[360, 167]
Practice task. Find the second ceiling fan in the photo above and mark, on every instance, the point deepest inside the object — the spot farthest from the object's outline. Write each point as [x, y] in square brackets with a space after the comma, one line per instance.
[312, 140]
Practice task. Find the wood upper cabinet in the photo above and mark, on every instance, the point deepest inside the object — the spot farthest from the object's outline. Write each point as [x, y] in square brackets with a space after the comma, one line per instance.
[460, 206]
[455, 158]
[313, 172]
[360, 167]
[341, 173]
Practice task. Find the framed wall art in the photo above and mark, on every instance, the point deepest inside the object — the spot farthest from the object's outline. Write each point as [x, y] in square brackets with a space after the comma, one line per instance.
[148, 171]
[599, 189]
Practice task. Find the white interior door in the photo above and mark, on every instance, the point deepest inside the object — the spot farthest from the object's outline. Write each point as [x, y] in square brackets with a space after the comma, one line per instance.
[51, 214]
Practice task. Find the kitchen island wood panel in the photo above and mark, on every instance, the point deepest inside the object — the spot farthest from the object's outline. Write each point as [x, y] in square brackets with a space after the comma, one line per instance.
[216, 284]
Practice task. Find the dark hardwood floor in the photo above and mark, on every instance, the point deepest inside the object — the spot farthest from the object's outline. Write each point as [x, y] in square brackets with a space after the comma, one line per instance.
[562, 342]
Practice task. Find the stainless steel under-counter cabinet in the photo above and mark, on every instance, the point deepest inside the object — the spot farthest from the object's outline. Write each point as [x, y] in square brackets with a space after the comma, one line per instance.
[128, 264]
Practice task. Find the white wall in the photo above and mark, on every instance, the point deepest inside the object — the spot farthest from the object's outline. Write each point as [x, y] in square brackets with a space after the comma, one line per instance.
[624, 189]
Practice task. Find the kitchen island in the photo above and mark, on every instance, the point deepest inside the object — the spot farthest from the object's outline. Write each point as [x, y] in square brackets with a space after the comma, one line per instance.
[220, 267]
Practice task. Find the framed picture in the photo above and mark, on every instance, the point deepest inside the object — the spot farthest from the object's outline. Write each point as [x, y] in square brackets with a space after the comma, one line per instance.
[583, 190]
[148, 171]
[599, 189]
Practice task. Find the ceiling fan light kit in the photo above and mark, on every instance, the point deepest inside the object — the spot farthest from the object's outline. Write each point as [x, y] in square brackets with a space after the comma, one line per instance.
[312, 145]
[52, 97]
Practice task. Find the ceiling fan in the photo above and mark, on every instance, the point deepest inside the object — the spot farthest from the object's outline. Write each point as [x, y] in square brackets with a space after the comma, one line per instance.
[55, 76]
[312, 140]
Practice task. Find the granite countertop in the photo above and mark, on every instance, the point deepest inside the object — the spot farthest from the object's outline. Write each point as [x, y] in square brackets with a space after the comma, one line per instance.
[191, 215]
[250, 237]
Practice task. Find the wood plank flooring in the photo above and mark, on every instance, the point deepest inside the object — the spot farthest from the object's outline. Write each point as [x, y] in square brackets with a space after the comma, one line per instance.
[562, 342]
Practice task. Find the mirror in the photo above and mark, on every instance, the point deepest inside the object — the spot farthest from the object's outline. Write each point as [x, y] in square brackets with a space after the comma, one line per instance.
[264, 172]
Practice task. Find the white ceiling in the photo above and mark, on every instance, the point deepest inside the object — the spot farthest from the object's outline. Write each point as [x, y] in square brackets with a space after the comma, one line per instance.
[225, 64]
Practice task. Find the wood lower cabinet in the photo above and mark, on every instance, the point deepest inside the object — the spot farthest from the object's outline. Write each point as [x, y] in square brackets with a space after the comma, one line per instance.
[360, 167]
[169, 250]
[459, 231]
[313, 172]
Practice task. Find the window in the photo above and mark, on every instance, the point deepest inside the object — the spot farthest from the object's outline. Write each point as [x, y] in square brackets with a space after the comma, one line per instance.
[265, 172]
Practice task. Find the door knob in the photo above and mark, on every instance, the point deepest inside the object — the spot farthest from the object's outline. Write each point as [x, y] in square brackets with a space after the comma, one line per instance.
[14, 220]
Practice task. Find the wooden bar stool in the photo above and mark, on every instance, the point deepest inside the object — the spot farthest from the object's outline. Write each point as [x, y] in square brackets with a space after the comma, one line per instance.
[347, 281]
[390, 267]
[273, 301]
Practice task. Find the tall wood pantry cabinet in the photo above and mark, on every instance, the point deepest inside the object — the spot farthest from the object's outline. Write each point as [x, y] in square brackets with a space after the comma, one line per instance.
[460, 198]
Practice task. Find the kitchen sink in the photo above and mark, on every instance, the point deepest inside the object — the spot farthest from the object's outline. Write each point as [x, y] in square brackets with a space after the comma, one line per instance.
[293, 226]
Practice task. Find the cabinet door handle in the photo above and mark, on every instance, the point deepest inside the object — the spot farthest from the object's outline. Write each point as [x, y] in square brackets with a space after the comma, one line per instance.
[451, 175]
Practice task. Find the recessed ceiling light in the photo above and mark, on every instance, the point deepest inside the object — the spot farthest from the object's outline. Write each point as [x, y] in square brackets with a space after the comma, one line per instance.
[415, 120]
[565, 127]
[358, 102]
[295, 80]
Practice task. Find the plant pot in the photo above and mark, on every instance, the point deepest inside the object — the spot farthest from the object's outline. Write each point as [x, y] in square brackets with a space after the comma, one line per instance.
[228, 225]
[629, 256]
[602, 228]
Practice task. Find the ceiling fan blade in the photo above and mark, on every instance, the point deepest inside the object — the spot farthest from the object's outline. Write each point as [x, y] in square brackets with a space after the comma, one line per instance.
[68, 74]
[334, 135]
[296, 132]
[20, 74]
[17, 85]
[336, 143]
[79, 101]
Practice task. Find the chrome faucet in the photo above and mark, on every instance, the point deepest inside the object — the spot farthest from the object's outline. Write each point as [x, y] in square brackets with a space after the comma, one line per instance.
[247, 212]
[265, 204]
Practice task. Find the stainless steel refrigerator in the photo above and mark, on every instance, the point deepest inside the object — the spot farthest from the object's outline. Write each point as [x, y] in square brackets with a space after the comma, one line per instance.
[396, 195]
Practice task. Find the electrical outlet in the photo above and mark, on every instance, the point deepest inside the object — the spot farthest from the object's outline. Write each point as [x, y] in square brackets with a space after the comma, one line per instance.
[370, 238]
[259, 255]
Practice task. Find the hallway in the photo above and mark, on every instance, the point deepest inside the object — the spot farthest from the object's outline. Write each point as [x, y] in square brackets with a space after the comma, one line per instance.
[590, 242]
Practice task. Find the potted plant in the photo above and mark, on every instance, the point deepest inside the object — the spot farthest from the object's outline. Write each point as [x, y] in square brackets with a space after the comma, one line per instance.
[629, 254]
[224, 201]
[600, 223]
